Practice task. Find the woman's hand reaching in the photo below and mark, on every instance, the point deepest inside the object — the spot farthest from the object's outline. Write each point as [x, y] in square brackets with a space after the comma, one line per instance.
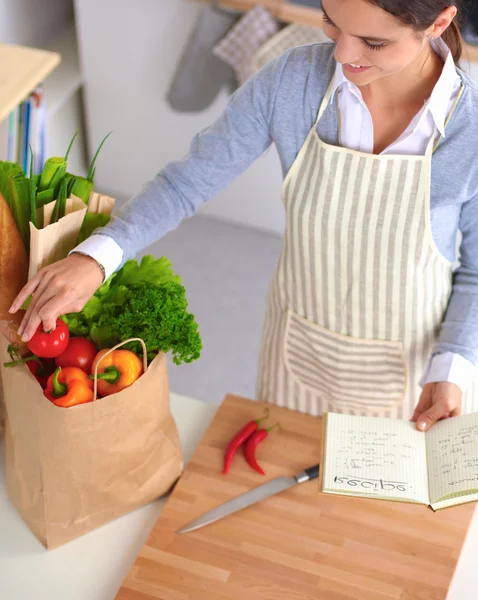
[63, 287]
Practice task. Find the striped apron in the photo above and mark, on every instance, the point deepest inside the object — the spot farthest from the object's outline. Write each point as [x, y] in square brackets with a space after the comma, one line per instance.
[360, 289]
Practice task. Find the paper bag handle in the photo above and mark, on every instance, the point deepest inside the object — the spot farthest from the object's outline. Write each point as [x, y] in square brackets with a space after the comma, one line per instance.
[145, 362]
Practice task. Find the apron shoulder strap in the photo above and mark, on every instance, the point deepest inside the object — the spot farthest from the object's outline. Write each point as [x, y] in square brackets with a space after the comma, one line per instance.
[433, 144]
[325, 101]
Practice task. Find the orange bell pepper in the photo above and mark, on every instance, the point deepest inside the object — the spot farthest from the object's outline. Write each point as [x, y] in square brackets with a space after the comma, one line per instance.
[117, 371]
[69, 386]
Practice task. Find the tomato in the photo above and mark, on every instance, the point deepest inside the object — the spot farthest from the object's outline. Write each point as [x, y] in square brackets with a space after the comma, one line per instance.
[79, 353]
[49, 344]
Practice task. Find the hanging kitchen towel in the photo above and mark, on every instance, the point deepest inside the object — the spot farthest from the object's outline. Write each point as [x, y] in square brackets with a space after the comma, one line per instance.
[310, 3]
[200, 74]
[238, 47]
[290, 37]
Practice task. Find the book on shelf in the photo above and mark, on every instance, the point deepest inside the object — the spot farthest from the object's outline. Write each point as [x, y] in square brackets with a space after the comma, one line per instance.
[390, 459]
[26, 128]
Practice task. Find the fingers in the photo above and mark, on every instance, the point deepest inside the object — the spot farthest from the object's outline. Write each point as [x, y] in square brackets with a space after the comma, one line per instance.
[27, 290]
[33, 317]
[425, 401]
[431, 416]
[56, 306]
[31, 320]
[445, 402]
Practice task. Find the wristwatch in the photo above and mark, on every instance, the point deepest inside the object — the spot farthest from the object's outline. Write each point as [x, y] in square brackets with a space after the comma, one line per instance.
[92, 258]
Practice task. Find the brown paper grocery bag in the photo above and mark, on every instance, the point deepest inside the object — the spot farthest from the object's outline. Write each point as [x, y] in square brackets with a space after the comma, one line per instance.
[100, 204]
[56, 240]
[70, 470]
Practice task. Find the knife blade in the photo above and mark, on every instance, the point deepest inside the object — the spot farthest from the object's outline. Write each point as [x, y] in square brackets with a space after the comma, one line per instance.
[261, 492]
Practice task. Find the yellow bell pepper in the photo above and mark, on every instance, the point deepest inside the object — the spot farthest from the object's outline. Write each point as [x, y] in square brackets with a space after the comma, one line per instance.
[116, 371]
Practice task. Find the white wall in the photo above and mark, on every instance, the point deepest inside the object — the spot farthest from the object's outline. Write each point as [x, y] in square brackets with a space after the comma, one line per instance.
[32, 22]
[35, 23]
[129, 52]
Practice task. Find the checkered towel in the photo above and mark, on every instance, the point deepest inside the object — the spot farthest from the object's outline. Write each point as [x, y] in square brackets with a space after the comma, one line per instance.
[290, 37]
[239, 45]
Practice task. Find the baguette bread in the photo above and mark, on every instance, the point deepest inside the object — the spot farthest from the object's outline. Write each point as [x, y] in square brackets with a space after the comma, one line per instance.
[13, 276]
[13, 263]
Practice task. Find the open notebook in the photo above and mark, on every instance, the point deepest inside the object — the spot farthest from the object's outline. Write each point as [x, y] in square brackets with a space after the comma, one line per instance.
[390, 459]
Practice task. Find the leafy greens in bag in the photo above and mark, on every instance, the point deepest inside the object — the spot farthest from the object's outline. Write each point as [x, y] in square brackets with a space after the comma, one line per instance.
[145, 300]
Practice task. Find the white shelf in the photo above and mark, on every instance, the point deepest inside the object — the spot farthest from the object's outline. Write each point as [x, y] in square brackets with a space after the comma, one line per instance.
[67, 78]
[21, 70]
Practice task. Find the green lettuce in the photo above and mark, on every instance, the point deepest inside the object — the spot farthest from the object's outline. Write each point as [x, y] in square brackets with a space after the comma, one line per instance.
[145, 300]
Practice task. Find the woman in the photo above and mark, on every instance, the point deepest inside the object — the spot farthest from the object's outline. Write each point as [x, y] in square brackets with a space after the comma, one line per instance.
[376, 133]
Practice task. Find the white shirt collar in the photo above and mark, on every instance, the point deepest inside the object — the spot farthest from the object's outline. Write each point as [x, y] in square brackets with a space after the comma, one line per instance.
[439, 99]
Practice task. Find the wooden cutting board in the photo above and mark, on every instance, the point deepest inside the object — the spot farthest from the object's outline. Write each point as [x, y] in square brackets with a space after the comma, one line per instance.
[297, 545]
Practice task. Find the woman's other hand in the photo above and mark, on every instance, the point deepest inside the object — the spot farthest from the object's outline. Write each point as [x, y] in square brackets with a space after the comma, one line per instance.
[437, 401]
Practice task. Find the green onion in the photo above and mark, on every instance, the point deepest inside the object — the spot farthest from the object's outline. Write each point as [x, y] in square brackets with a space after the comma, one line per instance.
[45, 197]
[33, 192]
[53, 172]
[80, 187]
[60, 204]
[7, 169]
[92, 170]
[71, 144]
[19, 192]
[91, 222]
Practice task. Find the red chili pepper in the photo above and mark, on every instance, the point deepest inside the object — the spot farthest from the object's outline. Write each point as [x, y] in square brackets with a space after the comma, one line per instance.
[240, 437]
[250, 448]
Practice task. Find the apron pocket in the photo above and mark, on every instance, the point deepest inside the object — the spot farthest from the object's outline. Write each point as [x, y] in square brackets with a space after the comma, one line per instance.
[352, 373]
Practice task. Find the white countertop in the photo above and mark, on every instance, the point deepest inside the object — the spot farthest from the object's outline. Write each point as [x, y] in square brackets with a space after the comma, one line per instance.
[94, 566]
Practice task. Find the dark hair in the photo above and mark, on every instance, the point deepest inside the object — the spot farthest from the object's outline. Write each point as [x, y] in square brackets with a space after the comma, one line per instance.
[421, 14]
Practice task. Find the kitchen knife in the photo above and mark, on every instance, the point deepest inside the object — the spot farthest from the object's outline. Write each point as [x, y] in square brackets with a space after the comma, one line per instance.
[274, 486]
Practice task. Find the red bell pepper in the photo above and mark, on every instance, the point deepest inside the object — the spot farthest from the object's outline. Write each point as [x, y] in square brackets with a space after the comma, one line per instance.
[69, 387]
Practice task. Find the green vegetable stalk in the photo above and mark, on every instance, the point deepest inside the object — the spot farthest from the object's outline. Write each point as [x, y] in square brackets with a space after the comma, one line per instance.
[60, 204]
[92, 167]
[52, 173]
[45, 197]
[70, 145]
[32, 186]
[80, 187]
[91, 222]
[14, 186]
[20, 194]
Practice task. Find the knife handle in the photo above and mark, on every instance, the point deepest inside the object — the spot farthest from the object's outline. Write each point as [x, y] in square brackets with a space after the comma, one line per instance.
[308, 474]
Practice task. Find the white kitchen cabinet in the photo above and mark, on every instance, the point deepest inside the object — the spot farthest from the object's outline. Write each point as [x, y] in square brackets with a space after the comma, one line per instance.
[129, 52]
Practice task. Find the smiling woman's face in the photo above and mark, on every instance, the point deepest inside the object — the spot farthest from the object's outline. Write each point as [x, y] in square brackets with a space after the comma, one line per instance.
[370, 38]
